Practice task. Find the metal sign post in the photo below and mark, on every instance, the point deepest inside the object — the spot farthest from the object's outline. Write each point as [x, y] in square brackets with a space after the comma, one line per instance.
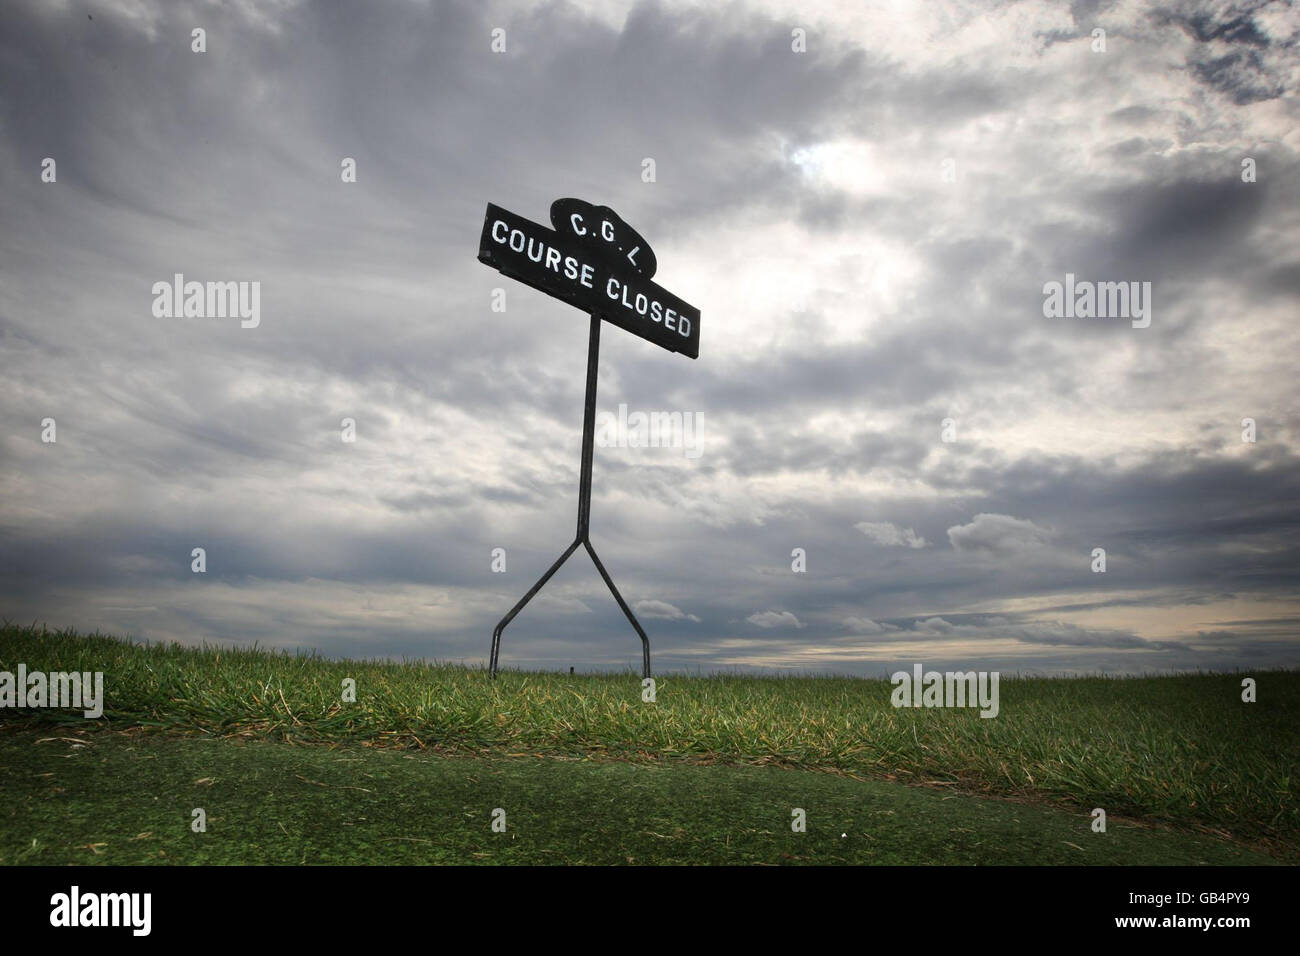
[604, 267]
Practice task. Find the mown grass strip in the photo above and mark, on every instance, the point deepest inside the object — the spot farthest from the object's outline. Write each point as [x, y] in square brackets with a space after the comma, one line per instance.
[96, 798]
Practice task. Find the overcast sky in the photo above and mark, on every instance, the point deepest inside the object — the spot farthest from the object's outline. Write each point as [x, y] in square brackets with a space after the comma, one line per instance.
[916, 177]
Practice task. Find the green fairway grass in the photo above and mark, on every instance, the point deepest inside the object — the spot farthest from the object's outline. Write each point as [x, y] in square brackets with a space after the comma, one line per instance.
[1181, 751]
[116, 798]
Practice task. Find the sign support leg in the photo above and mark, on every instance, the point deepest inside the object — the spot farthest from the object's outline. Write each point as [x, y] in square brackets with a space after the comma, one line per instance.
[583, 536]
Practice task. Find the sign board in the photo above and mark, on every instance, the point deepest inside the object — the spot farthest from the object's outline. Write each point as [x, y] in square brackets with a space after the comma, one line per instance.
[602, 229]
[596, 262]
[591, 259]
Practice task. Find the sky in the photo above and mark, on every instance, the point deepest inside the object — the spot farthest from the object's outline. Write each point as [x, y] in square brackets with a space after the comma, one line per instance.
[867, 204]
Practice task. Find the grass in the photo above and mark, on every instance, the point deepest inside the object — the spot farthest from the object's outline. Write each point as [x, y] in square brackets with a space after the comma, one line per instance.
[1180, 750]
[100, 797]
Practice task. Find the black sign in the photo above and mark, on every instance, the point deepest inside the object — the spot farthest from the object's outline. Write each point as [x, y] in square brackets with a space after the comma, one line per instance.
[596, 262]
[600, 228]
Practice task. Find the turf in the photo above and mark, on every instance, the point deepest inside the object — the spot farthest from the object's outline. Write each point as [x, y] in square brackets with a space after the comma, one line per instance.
[127, 798]
[1183, 750]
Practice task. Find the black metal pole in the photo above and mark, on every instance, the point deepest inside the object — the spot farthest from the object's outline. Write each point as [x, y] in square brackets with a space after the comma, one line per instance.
[583, 536]
[588, 431]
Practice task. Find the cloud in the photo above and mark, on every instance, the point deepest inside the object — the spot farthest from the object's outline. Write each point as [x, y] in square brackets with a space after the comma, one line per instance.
[864, 625]
[663, 611]
[935, 625]
[998, 534]
[890, 535]
[820, 173]
[770, 619]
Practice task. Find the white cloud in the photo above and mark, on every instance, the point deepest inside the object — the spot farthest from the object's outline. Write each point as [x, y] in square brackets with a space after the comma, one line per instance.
[662, 611]
[890, 535]
[769, 619]
[998, 534]
[935, 625]
[865, 625]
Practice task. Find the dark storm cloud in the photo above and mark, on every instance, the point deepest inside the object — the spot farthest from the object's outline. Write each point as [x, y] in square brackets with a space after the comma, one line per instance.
[1231, 52]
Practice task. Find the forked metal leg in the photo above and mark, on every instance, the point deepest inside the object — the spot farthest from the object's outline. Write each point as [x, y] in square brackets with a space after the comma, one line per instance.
[645, 641]
[496, 632]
